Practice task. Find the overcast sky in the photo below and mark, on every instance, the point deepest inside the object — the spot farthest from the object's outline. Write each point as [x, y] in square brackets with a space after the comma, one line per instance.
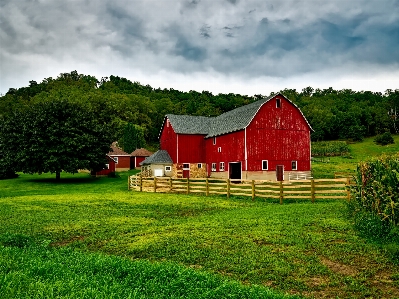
[240, 46]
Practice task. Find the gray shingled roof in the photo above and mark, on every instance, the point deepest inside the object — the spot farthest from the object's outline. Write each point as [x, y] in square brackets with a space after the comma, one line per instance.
[227, 122]
[160, 156]
[187, 124]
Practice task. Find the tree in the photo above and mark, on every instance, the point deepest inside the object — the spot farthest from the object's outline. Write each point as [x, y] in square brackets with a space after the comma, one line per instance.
[54, 136]
[133, 138]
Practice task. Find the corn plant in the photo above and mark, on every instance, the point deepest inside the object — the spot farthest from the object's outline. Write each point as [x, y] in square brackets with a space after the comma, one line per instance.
[329, 148]
[377, 189]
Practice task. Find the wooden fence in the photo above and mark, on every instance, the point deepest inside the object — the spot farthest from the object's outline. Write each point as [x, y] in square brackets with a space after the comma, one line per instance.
[306, 189]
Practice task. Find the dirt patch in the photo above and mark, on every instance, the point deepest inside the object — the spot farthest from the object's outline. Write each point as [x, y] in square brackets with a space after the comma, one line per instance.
[66, 242]
[339, 267]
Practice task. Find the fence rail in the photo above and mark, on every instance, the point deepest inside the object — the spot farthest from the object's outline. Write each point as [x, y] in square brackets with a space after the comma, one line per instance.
[302, 189]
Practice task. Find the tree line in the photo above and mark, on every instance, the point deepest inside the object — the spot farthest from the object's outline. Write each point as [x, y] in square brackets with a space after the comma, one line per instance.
[118, 107]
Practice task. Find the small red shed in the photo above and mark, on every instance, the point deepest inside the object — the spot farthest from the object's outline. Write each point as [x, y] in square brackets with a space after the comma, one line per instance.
[109, 168]
[138, 156]
[122, 159]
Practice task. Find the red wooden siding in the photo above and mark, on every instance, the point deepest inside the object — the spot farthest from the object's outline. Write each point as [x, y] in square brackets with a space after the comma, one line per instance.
[191, 148]
[123, 162]
[279, 135]
[111, 168]
[168, 141]
[182, 148]
[232, 149]
[138, 160]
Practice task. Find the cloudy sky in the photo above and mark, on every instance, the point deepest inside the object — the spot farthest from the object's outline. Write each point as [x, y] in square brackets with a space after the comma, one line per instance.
[240, 46]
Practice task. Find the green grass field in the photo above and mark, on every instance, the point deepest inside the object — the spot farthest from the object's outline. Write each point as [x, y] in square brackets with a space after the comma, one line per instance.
[88, 237]
[360, 151]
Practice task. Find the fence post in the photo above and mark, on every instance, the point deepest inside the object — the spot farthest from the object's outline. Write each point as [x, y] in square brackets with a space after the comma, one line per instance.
[141, 183]
[348, 190]
[312, 190]
[281, 192]
[155, 184]
[253, 189]
[207, 187]
[128, 183]
[188, 185]
[228, 188]
[170, 184]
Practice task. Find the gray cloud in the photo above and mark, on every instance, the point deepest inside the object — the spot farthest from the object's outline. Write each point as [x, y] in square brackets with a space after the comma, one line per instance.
[232, 38]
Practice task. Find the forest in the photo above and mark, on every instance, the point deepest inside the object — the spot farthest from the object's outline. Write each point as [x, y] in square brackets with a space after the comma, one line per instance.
[119, 103]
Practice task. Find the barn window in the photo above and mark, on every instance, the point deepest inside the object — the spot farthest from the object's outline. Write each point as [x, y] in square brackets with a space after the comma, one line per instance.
[106, 166]
[168, 168]
[265, 165]
[213, 166]
[199, 165]
[278, 103]
[186, 166]
[214, 140]
[294, 165]
[219, 149]
[221, 166]
[115, 159]
[167, 123]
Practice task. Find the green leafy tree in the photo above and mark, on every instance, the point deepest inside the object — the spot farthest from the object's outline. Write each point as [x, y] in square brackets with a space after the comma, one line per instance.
[133, 138]
[54, 136]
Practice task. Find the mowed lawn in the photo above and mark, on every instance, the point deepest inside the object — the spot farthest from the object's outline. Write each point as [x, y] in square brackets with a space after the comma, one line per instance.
[177, 246]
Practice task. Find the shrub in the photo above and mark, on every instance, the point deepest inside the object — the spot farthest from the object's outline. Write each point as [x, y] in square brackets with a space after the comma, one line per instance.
[384, 139]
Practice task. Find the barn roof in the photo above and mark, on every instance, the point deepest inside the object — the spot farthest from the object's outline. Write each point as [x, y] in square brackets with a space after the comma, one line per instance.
[188, 124]
[141, 152]
[231, 121]
[160, 156]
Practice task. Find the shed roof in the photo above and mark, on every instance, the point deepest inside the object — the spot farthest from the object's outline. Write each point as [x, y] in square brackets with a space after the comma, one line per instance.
[116, 151]
[141, 152]
[160, 156]
[231, 121]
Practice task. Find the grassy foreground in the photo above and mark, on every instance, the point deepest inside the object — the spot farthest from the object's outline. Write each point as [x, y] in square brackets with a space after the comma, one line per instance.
[177, 246]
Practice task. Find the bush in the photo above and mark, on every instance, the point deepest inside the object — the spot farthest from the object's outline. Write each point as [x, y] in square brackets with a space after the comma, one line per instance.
[384, 139]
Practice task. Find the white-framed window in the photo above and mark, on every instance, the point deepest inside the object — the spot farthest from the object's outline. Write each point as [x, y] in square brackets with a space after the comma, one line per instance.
[107, 166]
[168, 168]
[186, 166]
[294, 165]
[265, 164]
[214, 140]
[115, 159]
[199, 165]
[221, 166]
[278, 103]
[213, 166]
[219, 149]
[167, 123]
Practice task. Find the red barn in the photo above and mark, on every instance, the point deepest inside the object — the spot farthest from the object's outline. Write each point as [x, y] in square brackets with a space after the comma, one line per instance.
[263, 140]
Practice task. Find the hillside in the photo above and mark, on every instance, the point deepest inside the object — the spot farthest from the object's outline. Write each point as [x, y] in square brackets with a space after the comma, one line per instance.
[359, 151]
